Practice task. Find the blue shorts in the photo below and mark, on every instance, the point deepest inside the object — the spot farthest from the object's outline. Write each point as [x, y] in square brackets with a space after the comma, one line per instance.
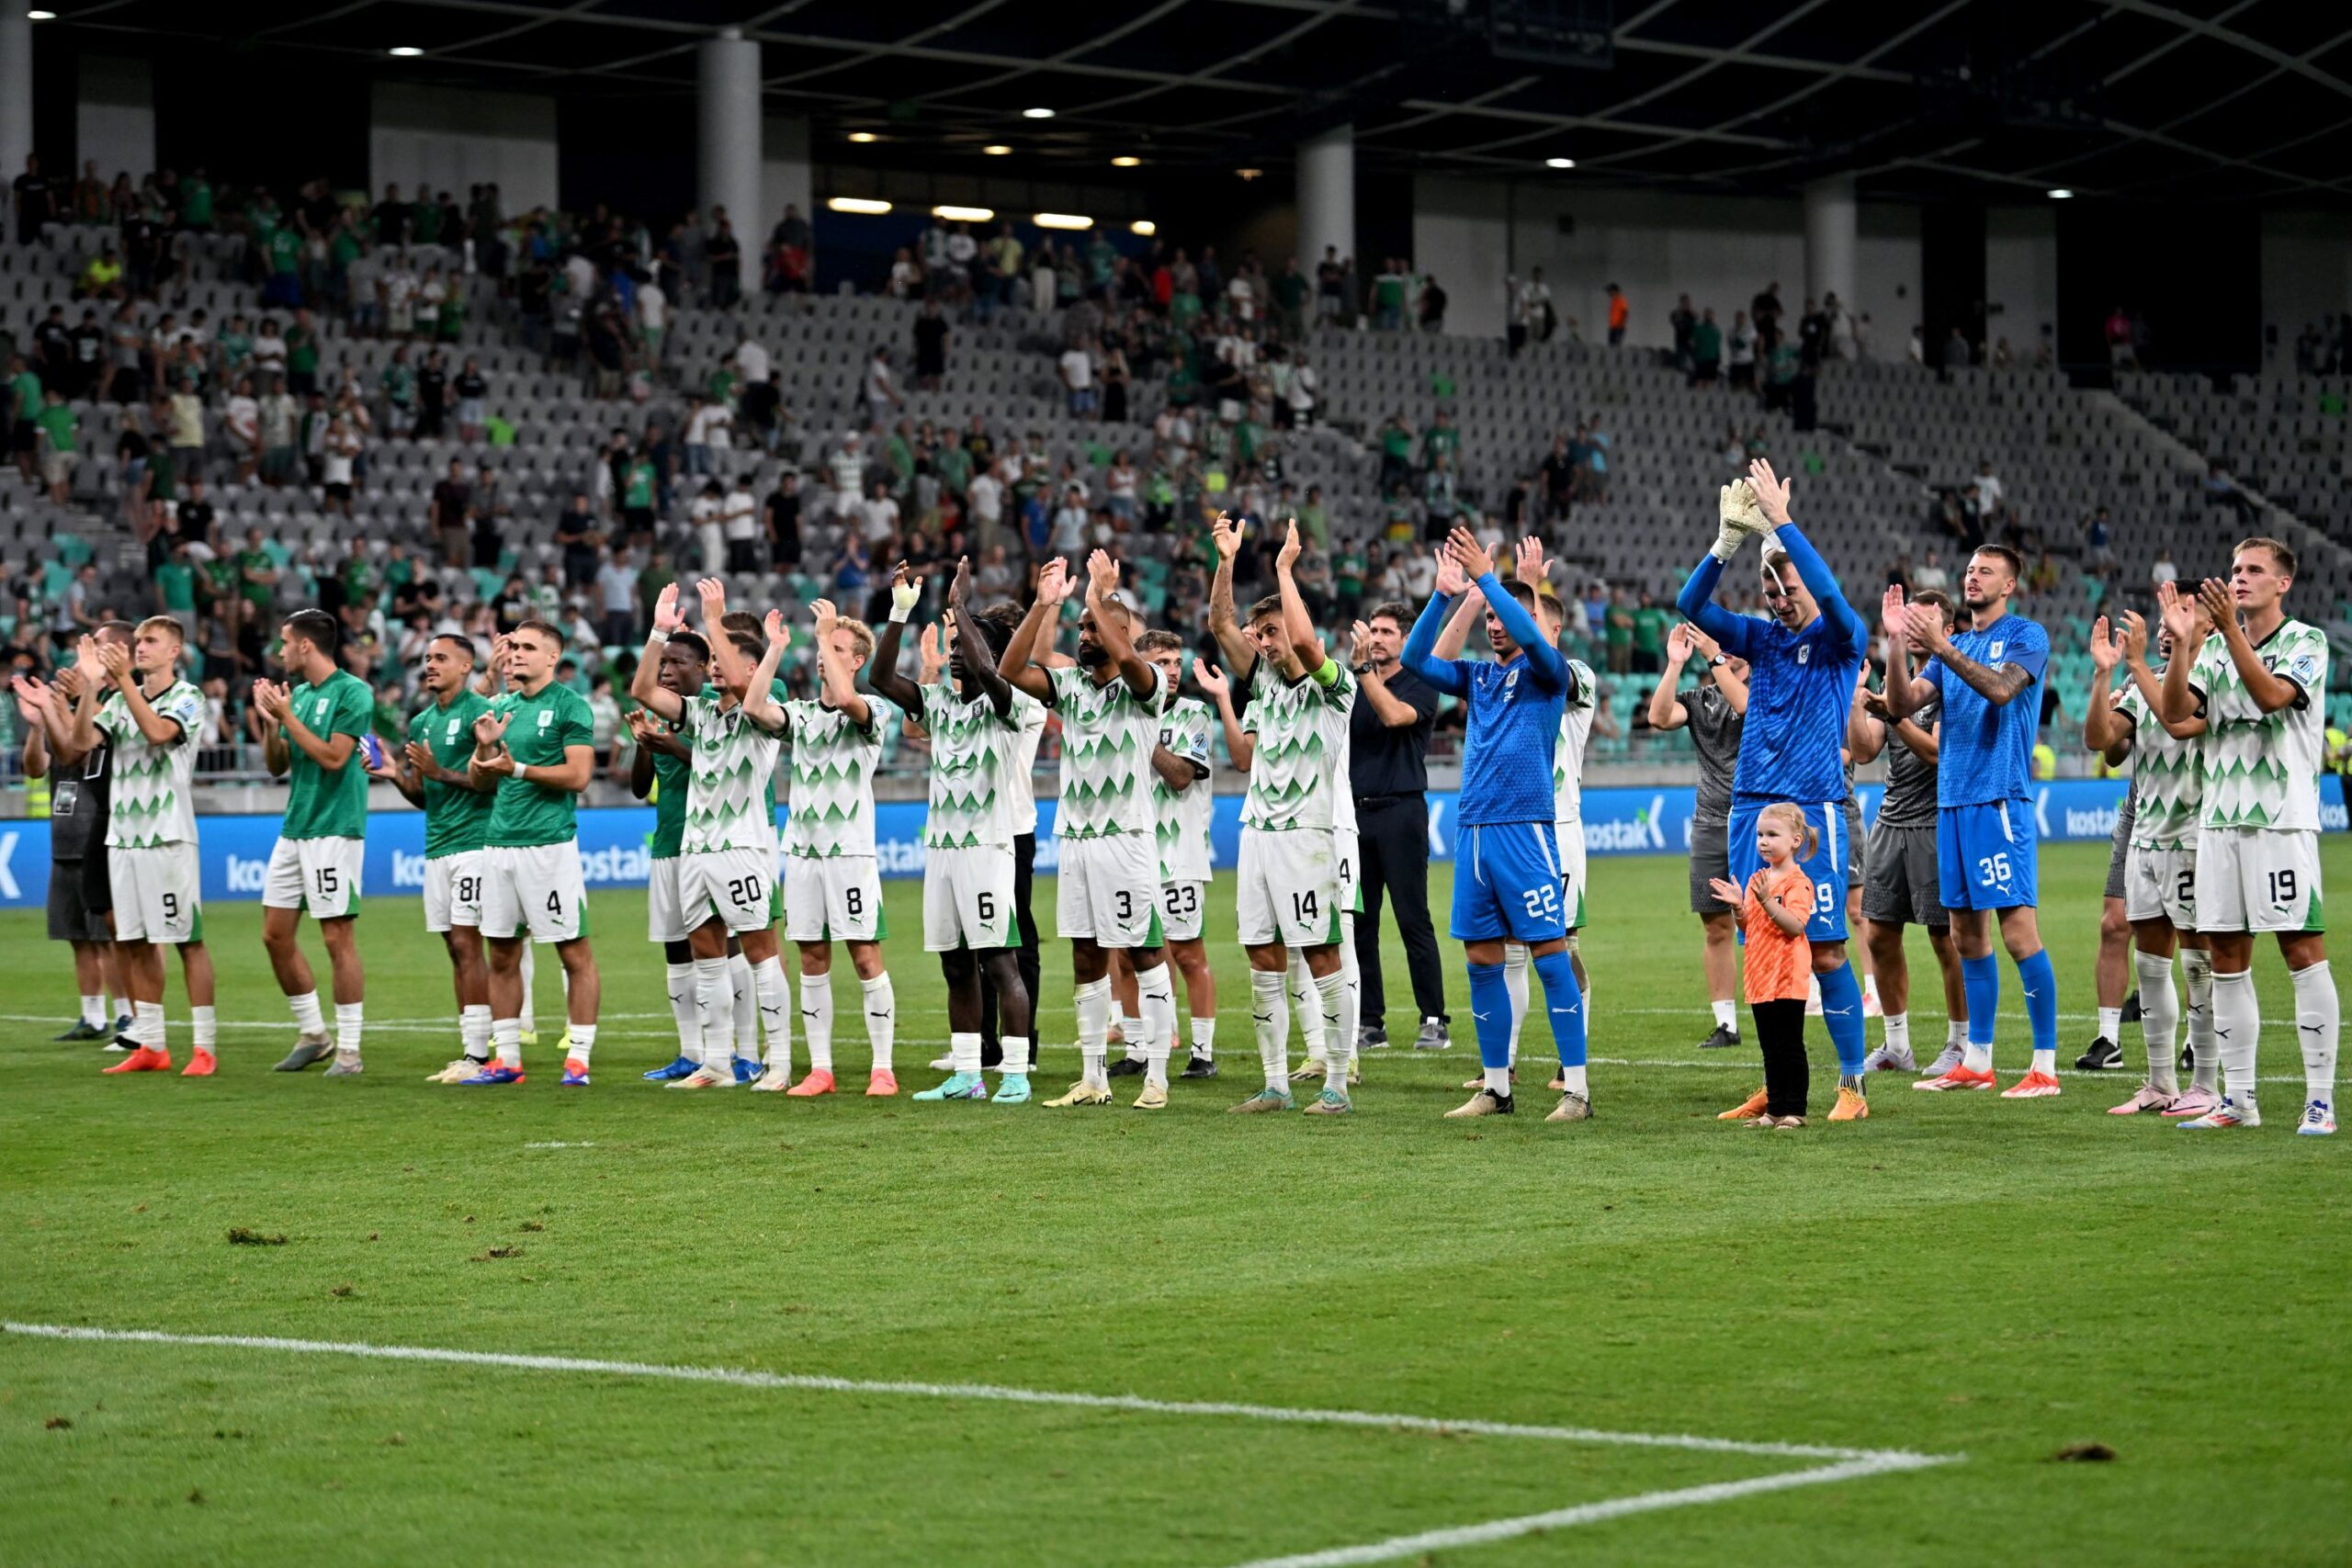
[1831, 864]
[1985, 855]
[1507, 883]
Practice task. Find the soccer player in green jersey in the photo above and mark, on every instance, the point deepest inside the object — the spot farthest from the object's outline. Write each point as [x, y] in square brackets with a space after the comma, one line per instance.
[726, 876]
[536, 747]
[975, 720]
[318, 725]
[660, 769]
[2258, 681]
[1107, 892]
[431, 773]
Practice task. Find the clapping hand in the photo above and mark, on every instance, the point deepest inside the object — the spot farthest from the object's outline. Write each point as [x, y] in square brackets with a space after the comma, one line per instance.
[779, 634]
[490, 730]
[2107, 650]
[1472, 556]
[667, 616]
[1287, 557]
[826, 617]
[1527, 564]
[1925, 625]
[115, 660]
[1358, 644]
[1053, 583]
[1210, 679]
[2135, 637]
[1225, 533]
[959, 587]
[906, 588]
[1727, 892]
[1678, 644]
[1450, 580]
[2220, 604]
[1101, 575]
[1894, 611]
[2180, 612]
[1771, 492]
[714, 603]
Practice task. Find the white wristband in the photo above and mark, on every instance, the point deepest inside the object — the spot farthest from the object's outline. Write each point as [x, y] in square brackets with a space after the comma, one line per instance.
[898, 612]
[659, 636]
[522, 773]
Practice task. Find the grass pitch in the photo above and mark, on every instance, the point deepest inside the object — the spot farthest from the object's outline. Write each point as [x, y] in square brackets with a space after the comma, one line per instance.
[1958, 1276]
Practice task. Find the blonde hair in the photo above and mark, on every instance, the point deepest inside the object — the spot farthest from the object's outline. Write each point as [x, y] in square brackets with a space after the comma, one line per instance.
[859, 633]
[165, 623]
[1793, 815]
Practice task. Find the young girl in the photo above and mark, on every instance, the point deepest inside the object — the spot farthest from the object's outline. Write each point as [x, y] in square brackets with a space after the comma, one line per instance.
[1774, 907]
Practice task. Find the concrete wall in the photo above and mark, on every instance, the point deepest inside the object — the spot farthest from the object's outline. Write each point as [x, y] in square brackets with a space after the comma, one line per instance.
[114, 117]
[2306, 271]
[450, 140]
[2020, 275]
[785, 177]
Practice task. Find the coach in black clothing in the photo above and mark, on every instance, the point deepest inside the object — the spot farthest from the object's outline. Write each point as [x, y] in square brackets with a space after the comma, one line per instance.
[1388, 769]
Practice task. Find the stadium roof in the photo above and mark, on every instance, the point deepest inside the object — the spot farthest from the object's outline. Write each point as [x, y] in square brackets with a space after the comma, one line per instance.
[2126, 98]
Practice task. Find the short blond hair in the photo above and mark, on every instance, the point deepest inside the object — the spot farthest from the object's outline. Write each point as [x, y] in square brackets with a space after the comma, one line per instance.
[859, 633]
[165, 623]
[2280, 555]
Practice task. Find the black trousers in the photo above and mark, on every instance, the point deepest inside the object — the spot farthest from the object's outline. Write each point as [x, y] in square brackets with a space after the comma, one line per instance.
[1393, 840]
[1788, 1076]
[1024, 868]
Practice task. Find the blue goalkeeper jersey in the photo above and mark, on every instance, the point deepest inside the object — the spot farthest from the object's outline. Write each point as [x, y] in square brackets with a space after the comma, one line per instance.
[1986, 753]
[1800, 684]
[1514, 711]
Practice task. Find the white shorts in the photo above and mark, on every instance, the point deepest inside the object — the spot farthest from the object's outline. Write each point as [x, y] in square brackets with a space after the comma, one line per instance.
[665, 911]
[1108, 890]
[453, 891]
[534, 890]
[1344, 843]
[317, 875]
[2258, 879]
[839, 899]
[1180, 909]
[736, 883]
[156, 894]
[1572, 883]
[1287, 889]
[2161, 884]
[967, 898]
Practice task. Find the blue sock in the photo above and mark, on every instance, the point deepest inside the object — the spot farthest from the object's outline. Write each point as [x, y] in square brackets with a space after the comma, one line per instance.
[1565, 1001]
[1841, 1014]
[2039, 983]
[1981, 978]
[1490, 1010]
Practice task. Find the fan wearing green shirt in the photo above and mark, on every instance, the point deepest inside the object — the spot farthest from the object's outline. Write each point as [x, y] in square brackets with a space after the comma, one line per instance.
[431, 773]
[536, 747]
[320, 721]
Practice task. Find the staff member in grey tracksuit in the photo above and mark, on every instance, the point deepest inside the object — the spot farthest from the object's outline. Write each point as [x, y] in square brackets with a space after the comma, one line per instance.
[1715, 711]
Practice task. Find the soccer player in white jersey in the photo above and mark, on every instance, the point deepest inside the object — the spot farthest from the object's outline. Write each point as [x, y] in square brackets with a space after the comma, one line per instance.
[2259, 682]
[150, 719]
[1289, 893]
[975, 720]
[2160, 867]
[1180, 789]
[1106, 895]
[727, 848]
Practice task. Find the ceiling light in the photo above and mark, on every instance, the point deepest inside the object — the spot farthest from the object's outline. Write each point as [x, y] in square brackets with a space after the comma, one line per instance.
[1126, 161]
[996, 148]
[2060, 193]
[41, 16]
[1250, 174]
[1559, 162]
[1145, 227]
[402, 51]
[964, 214]
[864, 136]
[858, 204]
[1036, 114]
[1063, 220]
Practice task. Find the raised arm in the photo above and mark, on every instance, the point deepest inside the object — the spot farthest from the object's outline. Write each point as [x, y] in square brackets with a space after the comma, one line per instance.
[727, 661]
[1141, 674]
[2184, 624]
[837, 683]
[32, 697]
[1905, 694]
[2148, 683]
[977, 663]
[645, 687]
[1393, 711]
[1239, 655]
[2105, 730]
[2269, 690]
[1772, 499]
[1456, 635]
[882, 674]
[158, 729]
[1240, 744]
[1297, 625]
[1418, 654]
[1667, 711]
[1546, 668]
[760, 706]
[1018, 665]
[1998, 686]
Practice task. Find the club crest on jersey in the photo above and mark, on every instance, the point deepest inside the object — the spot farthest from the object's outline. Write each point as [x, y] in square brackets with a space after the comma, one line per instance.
[1510, 682]
[451, 733]
[1993, 652]
[1805, 654]
[545, 718]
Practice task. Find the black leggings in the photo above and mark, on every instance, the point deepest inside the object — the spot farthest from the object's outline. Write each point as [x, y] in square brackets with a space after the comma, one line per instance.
[1787, 1077]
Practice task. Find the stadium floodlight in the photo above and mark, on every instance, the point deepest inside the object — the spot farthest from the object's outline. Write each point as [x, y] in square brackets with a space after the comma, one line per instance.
[1063, 220]
[2060, 193]
[398, 51]
[1145, 227]
[41, 16]
[864, 136]
[1037, 114]
[996, 148]
[859, 204]
[1559, 162]
[1125, 161]
[964, 214]
[1250, 174]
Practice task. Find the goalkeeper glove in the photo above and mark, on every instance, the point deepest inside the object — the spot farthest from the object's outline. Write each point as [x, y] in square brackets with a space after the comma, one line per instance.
[1741, 516]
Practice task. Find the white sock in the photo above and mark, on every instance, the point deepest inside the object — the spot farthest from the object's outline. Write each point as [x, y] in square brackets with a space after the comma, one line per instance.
[308, 1019]
[507, 1035]
[881, 1021]
[473, 1031]
[1205, 1038]
[583, 1042]
[685, 1008]
[2237, 1029]
[746, 1007]
[147, 1024]
[1870, 987]
[715, 1012]
[208, 1027]
[1573, 1080]
[1898, 1031]
[2110, 1023]
[2159, 1019]
[525, 1021]
[964, 1050]
[1305, 1006]
[1092, 1003]
[1498, 1080]
[94, 1012]
[1270, 1013]
[1727, 1015]
[1134, 1032]
[1515, 981]
[1156, 999]
[817, 1019]
[1351, 988]
[1016, 1056]
[2318, 1021]
[1956, 1034]
[1330, 995]
[2205, 1062]
[772, 993]
[347, 1026]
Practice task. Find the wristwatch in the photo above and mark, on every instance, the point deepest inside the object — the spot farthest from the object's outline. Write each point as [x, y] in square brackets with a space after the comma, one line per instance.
[1717, 662]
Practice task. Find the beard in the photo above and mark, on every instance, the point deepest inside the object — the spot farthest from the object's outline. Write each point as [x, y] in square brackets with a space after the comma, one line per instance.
[1093, 655]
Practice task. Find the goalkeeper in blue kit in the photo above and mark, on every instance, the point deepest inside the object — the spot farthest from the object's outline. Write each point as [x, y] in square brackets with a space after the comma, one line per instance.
[1507, 880]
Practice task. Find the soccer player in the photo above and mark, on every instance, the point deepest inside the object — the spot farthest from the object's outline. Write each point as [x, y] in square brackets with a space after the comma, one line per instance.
[1507, 882]
[975, 720]
[1804, 662]
[1002, 619]
[1987, 676]
[537, 747]
[1107, 895]
[1900, 885]
[1180, 791]
[2160, 877]
[1713, 711]
[659, 768]
[149, 722]
[1289, 897]
[2112, 971]
[2257, 682]
[727, 861]
[431, 773]
[322, 844]
[77, 814]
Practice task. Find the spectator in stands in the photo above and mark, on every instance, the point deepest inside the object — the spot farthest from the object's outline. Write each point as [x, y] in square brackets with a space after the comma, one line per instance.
[738, 522]
[34, 202]
[2120, 353]
[2098, 545]
[1077, 370]
[431, 396]
[61, 439]
[780, 522]
[881, 388]
[453, 513]
[1706, 349]
[1765, 311]
[1684, 320]
[473, 400]
[1618, 635]
[931, 332]
[1651, 623]
[1957, 354]
[2163, 570]
[1930, 573]
[724, 255]
[579, 541]
[616, 585]
[343, 445]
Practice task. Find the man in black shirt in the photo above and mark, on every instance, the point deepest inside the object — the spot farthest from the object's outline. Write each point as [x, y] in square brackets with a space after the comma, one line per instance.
[431, 397]
[780, 513]
[395, 217]
[33, 203]
[196, 515]
[726, 258]
[54, 339]
[87, 345]
[77, 834]
[1388, 743]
